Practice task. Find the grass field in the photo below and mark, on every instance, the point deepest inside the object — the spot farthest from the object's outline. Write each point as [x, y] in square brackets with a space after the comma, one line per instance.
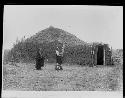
[24, 77]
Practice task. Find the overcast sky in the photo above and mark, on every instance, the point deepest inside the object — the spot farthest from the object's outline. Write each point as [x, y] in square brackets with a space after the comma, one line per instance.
[89, 23]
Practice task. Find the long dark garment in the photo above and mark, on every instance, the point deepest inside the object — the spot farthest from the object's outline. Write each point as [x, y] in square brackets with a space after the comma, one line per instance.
[39, 61]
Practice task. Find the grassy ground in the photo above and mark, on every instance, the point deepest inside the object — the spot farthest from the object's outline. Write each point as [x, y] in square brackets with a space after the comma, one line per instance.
[24, 77]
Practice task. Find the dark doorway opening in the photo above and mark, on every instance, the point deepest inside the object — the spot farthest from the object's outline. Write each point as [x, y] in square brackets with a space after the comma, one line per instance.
[100, 55]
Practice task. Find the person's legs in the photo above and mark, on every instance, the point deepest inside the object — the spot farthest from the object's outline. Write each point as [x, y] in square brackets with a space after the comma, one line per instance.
[59, 62]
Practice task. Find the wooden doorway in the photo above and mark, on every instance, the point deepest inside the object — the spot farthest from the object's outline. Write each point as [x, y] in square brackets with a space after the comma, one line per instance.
[100, 55]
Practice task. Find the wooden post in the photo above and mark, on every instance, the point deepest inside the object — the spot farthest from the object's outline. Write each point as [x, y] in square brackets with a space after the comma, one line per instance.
[111, 57]
[104, 56]
[91, 55]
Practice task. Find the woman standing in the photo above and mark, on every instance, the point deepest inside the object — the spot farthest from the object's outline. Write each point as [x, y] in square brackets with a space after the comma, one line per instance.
[39, 60]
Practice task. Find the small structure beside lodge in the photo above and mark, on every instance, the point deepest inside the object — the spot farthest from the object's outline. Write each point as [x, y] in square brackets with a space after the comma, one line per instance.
[101, 54]
[90, 54]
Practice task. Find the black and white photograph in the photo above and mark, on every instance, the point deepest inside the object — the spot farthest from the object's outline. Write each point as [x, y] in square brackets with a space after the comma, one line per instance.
[59, 48]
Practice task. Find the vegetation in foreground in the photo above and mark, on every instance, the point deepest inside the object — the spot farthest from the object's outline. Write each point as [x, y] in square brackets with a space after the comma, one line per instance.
[24, 77]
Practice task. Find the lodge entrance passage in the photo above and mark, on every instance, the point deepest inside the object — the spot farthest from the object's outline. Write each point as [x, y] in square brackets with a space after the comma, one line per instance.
[100, 55]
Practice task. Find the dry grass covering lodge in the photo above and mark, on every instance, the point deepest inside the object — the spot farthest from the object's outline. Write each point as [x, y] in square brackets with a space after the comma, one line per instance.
[76, 51]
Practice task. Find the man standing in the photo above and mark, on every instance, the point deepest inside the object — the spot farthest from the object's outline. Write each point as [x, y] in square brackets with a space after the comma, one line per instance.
[58, 60]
